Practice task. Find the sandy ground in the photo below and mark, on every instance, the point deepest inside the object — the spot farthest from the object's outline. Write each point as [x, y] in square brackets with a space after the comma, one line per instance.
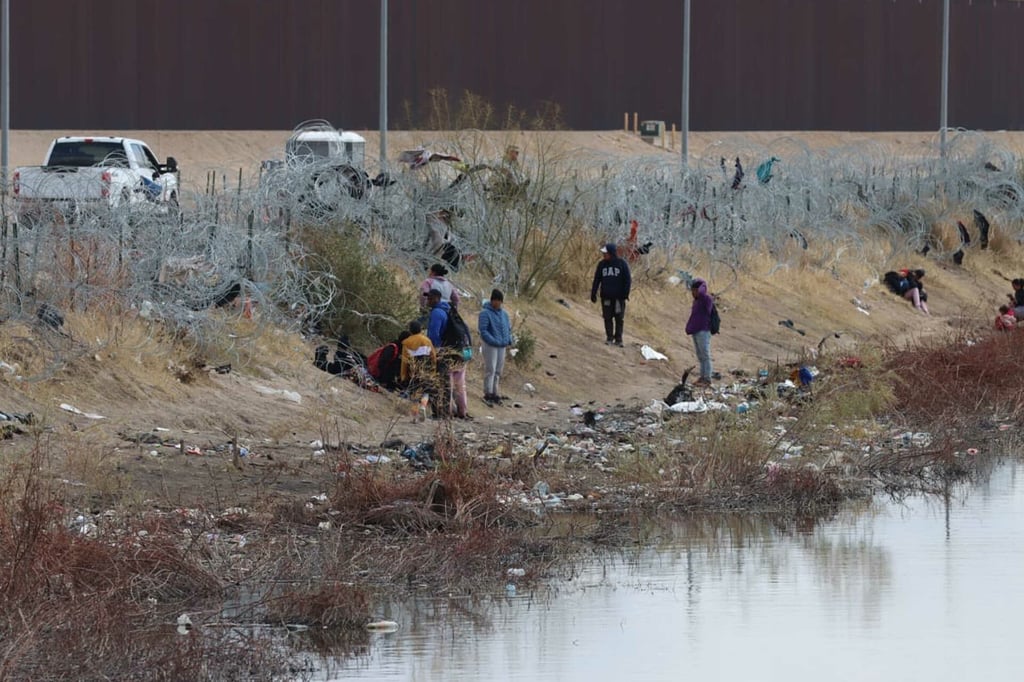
[279, 408]
[227, 152]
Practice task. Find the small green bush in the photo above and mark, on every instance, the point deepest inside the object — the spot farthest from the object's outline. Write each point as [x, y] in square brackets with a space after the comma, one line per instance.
[362, 297]
[526, 345]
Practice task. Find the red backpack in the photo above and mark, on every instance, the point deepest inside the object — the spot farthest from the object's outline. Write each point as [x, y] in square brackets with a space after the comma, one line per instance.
[379, 359]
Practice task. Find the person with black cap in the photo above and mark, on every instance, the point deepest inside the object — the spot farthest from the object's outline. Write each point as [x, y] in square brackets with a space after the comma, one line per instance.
[496, 333]
[613, 280]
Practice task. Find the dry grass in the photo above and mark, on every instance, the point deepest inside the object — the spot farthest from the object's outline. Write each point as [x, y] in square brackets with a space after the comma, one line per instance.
[954, 383]
[81, 601]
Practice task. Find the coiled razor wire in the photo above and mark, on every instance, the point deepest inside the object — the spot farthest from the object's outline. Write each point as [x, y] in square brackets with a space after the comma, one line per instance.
[188, 268]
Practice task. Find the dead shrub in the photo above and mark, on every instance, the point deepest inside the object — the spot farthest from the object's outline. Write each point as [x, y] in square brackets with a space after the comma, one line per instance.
[332, 605]
[802, 488]
[953, 382]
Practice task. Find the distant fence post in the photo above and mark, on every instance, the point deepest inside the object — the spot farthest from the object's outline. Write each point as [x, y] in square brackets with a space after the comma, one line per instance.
[636, 123]
[248, 247]
[625, 122]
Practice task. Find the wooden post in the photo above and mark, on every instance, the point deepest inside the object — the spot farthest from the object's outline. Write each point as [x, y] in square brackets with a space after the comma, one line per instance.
[238, 196]
[672, 139]
[625, 122]
[636, 123]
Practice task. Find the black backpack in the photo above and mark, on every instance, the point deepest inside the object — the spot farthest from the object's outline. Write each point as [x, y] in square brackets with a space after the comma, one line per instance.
[715, 323]
[456, 336]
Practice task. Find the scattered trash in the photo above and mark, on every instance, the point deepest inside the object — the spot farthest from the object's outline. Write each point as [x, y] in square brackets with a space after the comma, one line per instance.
[972, 451]
[529, 388]
[184, 624]
[88, 415]
[693, 406]
[287, 395]
[790, 325]
[50, 316]
[516, 572]
[421, 455]
[382, 626]
[651, 354]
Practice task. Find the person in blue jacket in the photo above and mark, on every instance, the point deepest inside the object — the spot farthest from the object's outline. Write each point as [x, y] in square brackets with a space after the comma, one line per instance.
[613, 280]
[496, 334]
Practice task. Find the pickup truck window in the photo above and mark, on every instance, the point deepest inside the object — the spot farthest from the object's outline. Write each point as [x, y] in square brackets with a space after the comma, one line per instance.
[136, 155]
[150, 159]
[82, 154]
[311, 150]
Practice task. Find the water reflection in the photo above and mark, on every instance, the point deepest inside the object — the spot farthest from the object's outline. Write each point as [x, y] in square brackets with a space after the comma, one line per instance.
[911, 589]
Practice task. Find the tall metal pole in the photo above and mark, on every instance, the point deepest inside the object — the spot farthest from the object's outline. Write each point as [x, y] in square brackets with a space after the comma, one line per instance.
[685, 123]
[944, 105]
[5, 92]
[383, 84]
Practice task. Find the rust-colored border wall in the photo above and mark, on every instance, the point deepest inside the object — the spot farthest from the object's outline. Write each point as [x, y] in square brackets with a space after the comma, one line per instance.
[756, 64]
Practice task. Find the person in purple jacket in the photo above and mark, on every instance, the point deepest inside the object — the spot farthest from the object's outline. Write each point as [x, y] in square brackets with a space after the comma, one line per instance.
[699, 327]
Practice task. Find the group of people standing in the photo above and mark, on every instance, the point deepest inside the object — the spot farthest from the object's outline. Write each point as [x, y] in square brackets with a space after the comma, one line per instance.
[430, 366]
[612, 284]
[425, 364]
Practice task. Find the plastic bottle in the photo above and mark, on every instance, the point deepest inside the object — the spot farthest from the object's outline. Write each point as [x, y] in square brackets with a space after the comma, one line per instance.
[424, 401]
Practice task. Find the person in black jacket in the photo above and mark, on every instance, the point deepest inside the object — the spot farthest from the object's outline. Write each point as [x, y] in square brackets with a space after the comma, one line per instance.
[613, 280]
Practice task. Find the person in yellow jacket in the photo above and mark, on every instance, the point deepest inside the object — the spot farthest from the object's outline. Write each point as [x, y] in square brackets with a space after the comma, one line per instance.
[419, 358]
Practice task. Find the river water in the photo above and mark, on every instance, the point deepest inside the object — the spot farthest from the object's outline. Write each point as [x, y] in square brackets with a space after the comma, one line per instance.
[922, 589]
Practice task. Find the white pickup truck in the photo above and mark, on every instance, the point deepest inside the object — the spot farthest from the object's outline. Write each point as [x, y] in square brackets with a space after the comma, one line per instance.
[83, 172]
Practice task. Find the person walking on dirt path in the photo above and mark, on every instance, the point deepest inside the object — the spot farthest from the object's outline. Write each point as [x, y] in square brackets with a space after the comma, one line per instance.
[496, 333]
[613, 279]
[437, 279]
[699, 327]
